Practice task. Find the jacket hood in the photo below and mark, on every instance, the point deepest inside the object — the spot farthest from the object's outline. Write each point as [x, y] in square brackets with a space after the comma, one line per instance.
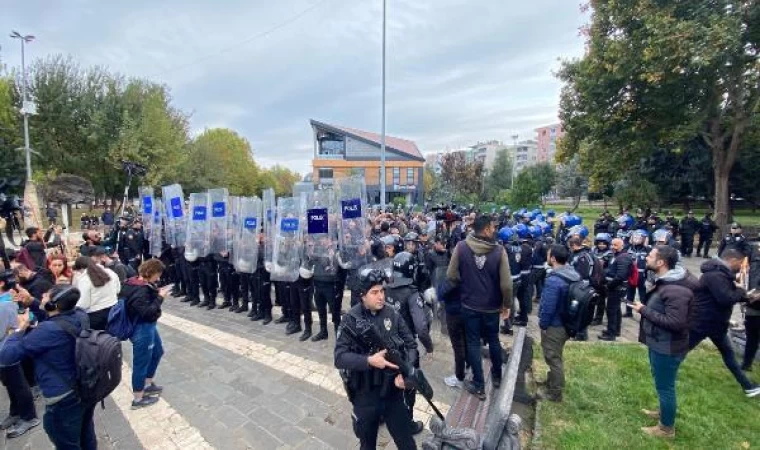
[136, 281]
[676, 274]
[567, 272]
[479, 245]
[716, 265]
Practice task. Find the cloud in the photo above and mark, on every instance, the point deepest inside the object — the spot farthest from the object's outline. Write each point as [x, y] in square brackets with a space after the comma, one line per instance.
[459, 71]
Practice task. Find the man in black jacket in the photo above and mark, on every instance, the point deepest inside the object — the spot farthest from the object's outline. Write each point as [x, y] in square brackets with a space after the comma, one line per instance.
[665, 330]
[735, 240]
[715, 300]
[706, 230]
[752, 314]
[617, 284]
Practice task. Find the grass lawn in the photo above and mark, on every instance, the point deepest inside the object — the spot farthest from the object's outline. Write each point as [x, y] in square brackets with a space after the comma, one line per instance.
[607, 386]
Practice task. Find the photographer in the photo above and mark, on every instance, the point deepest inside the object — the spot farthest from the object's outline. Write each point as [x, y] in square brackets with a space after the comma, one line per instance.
[22, 415]
[376, 388]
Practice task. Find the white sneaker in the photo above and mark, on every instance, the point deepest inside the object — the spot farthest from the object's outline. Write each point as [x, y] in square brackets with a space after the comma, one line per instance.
[452, 381]
[754, 392]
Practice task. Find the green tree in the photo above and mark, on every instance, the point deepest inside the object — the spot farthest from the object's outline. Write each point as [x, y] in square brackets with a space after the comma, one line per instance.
[464, 178]
[282, 179]
[571, 182]
[657, 75]
[532, 184]
[500, 176]
[635, 191]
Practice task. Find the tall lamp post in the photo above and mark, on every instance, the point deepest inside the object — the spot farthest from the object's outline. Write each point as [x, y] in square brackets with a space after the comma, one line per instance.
[514, 160]
[26, 107]
[382, 126]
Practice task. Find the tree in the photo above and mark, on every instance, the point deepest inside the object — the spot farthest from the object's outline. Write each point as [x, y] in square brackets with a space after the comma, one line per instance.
[635, 190]
[571, 182]
[465, 178]
[500, 176]
[532, 184]
[658, 75]
[283, 180]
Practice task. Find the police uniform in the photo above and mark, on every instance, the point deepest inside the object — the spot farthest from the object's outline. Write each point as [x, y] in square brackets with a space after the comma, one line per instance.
[372, 392]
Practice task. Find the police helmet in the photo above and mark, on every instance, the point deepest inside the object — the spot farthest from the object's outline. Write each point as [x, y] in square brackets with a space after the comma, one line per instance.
[389, 240]
[505, 234]
[404, 266]
[625, 221]
[535, 231]
[603, 237]
[578, 230]
[638, 236]
[521, 230]
[573, 220]
[411, 236]
[369, 278]
[550, 213]
[661, 236]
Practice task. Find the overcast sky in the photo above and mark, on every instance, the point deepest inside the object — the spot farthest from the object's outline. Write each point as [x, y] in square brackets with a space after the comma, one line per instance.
[459, 71]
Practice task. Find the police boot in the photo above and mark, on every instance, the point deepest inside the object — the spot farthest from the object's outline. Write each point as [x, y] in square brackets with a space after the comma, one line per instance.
[267, 318]
[242, 308]
[306, 333]
[194, 302]
[322, 335]
[293, 328]
[225, 304]
[184, 299]
[282, 319]
[204, 303]
[234, 305]
[254, 309]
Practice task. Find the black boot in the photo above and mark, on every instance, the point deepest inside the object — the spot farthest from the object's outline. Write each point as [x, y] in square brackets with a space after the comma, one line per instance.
[306, 333]
[322, 335]
[281, 319]
[267, 318]
[186, 299]
[211, 304]
[242, 308]
[225, 304]
[257, 316]
[293, 328]
[254, 309]
[194, 302]
[204, 304]
[235, 305]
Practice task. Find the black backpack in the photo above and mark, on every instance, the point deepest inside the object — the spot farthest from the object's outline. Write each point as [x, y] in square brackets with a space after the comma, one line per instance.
[578, 310]
[596, 272]
[98, 362]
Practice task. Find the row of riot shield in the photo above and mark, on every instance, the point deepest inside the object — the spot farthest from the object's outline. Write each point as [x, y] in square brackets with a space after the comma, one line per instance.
[353, 228]
[246, 242]
[288, 238]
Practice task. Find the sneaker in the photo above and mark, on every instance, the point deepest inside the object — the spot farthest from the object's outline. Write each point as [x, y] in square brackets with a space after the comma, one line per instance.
[752, 392]
[153, 389]
[21, 427]
[9, 422]
[452, 381]
[660, 431]
[480, 393]
[143, 402]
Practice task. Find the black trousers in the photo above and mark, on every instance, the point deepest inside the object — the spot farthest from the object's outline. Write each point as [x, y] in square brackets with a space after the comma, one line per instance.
[369, 407]
[248, 289]
[537, 279]
[752, 325]
[263, 291]
[524, 294]
[704, 245]
[614, 315]
[230, 282]
[601, 305]
[282, 297]
[324, 295]
[301, 292]
[458, 340]
[687, 244]
[208, 278]
[22, 403]
[192, 277]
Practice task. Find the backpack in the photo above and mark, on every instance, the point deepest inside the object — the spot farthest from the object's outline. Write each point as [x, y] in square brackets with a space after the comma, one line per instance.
[633, 276]
[120, 325]
[98, 360]
[578, 310]
[596, 272]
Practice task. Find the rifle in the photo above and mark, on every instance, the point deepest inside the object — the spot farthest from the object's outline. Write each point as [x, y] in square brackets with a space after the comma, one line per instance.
[367, 336]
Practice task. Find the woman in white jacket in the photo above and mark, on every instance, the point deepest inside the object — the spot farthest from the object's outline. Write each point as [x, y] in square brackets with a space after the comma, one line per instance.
[99, 288]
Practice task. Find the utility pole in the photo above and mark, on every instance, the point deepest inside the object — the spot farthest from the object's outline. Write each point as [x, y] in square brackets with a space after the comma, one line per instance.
[25, 106]
[514, 161]
[382, 126]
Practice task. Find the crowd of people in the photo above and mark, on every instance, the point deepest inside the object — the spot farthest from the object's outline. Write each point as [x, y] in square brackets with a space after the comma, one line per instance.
[478, 273]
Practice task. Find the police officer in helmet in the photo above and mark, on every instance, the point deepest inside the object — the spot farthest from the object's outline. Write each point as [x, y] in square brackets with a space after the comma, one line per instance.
[375, 386]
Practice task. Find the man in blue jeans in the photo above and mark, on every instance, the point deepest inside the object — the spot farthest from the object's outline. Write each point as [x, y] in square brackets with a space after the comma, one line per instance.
[665, 331]
[715, 300]
[479, 266]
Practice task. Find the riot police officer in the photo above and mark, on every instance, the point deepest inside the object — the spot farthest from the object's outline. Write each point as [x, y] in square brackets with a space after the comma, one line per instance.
[689, 227]
[131, 245]
[375, 387]
[735, 240]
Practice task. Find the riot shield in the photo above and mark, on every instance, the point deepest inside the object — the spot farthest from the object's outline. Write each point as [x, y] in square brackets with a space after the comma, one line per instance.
[268, 216]
[303, 188]
[288, 239]
[198, 230]
[146, 208]
[246, 253]
[218, 206]
[321, 228]
[155, 237]
[174, 212]
[233, 218]
[353, 229]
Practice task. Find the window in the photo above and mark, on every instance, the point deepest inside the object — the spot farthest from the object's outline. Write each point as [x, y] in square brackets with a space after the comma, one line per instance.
[325, 173]
[357, 171]
[396, 175]
[410, 176]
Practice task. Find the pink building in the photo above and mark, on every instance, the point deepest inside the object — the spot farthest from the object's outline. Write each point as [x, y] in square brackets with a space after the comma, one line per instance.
[547, 138]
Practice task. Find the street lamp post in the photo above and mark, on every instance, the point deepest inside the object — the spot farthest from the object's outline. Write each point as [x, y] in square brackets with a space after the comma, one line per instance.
[514, 161]
[27, 150]
[382, 126]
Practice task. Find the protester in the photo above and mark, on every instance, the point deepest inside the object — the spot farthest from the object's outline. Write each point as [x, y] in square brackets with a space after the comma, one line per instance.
[553, 334]
[715, 299]
[665, 331]
[34, 282]
[479, 266]
[143, 301]
[58, 266]
[752, 315]
[99, 288]
[22, 415]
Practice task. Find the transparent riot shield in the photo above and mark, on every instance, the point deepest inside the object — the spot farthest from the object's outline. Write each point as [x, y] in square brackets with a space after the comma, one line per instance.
[174, 213]
[269, 212]
[218, 207]
[156, 229]
[288, 239]
[321, 238]
[303, 188]
[146, 208]
[233, 219]
[353, 228]
[197, 243]
[246, 253]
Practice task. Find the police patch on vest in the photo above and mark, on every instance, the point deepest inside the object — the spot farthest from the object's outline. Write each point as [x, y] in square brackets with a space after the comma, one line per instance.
[480, 261]
[387, 323]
